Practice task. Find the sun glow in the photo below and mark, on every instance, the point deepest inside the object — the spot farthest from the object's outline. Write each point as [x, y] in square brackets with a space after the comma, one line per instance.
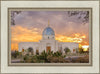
[74, 38]
[85, 47]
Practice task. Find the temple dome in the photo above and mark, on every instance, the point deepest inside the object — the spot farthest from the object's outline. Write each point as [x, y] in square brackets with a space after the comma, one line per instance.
[48, 31]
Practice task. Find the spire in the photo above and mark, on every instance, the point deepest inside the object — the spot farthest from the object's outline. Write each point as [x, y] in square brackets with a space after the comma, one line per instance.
[48, 23]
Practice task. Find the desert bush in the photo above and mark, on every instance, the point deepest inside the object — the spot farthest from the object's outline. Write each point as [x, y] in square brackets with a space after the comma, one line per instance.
[25, 58]
[57, 54]
[49, 58]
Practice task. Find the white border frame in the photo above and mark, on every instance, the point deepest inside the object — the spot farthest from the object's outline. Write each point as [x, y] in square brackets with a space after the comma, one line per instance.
[4, 36]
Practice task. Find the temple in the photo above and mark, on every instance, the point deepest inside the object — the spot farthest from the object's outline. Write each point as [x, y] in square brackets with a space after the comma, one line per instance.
[48, 43]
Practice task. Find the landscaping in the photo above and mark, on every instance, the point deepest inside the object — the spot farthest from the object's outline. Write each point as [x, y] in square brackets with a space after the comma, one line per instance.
[50, 57]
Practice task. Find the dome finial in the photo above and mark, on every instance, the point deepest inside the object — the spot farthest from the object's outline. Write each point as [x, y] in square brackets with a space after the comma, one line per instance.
[48, 23]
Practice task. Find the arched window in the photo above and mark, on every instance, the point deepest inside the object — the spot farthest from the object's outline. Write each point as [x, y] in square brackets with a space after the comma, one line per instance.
[30, 50]
[73, 50]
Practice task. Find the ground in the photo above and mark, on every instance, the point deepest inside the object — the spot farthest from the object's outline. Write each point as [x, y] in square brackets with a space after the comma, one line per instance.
[53, 58]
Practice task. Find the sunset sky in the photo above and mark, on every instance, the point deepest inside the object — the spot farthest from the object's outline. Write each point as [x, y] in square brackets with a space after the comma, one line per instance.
[30, 25]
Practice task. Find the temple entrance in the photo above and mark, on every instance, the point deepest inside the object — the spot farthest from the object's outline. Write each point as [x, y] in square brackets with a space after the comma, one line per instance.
[48, 49]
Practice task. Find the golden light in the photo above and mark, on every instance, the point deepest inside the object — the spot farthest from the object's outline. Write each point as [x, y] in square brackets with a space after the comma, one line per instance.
[85, 47]
[75, 38]
[80, 46]
[83, 36]
[22, 34]
[77, 35]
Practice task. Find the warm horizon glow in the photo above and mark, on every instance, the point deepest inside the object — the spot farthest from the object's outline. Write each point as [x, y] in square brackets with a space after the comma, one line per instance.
[85, 47]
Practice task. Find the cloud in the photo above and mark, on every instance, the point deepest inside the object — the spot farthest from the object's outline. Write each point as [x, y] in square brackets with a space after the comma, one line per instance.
[30, 25]
[78, 38]
[20, 34]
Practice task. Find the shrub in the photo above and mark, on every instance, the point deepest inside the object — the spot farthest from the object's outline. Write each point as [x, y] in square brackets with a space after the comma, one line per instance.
[81, 50]
[15, 54]
[57, 54]
[67, 50]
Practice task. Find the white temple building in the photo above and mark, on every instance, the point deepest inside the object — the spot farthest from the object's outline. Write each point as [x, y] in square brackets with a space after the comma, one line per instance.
[48, 43]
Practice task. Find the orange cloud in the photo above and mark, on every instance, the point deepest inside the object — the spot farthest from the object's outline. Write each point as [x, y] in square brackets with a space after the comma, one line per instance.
[75, 38]
[21, 34]
[14, 46]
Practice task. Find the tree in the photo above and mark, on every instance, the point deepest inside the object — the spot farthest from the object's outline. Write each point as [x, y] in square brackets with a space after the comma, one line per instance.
[25, 58]
[67, 50]
[30, 49]
[15, 54]
[13, 15]
[81, 50]
[81, 15]
[57, 54]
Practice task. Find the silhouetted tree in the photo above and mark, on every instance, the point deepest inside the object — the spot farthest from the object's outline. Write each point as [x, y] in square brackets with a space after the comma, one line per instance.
[81, 15]
[81, 50]
[13, 15]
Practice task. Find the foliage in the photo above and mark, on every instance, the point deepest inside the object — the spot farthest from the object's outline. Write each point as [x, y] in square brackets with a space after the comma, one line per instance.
[55, 57]
[83, 16]
[45, 57]
[30, 49]
[13, 15]
[67, 50]
[57, 54]
[15, 54]
[25, 58]
[81, 50]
